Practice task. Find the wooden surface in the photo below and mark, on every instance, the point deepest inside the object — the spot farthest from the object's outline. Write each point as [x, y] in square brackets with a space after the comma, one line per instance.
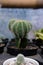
[22, 3]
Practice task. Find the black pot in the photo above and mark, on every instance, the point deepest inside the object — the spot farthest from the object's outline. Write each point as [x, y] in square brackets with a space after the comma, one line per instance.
[25, 51]
[5, 41]
[2, 48]
[12, 40]
[41, 49]
[38, 42]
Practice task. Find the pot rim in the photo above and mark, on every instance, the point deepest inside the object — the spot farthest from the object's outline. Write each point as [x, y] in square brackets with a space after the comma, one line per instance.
[27, 59]
[23, 48]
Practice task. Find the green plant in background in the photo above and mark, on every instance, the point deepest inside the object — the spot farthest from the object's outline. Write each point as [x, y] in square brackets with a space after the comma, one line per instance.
[2, 36]
[20, 28]
[39, 34]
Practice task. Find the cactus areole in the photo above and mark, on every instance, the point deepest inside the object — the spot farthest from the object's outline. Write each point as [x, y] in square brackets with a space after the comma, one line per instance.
[20, 28]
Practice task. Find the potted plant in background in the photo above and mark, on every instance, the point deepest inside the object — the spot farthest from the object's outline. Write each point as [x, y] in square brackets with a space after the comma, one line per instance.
[20, 28]
[1, 46]
[39, 37]
[4, 39]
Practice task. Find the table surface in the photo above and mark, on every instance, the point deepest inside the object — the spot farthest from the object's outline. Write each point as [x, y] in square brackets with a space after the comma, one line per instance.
[4, 56]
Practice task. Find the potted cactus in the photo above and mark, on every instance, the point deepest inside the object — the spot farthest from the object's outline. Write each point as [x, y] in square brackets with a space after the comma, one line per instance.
[20, 28]
[20, 60]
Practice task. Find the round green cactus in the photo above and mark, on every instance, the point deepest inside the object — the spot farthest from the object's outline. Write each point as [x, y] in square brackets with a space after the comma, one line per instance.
[20, 27]
[20, 59]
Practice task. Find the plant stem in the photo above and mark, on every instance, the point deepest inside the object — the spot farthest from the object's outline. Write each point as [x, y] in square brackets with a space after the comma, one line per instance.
[18, 41]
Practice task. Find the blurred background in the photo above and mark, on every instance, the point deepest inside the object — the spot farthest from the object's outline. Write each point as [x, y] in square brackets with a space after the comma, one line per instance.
[35, 16]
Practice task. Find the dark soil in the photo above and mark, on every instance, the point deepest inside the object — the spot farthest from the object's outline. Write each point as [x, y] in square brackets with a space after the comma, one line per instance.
[27, 47]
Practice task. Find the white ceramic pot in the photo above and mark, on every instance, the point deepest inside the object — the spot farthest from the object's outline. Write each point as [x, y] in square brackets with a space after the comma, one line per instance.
[26, 59]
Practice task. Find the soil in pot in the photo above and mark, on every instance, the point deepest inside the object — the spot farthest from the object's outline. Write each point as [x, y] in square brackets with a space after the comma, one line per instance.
[5, 41]
[32, 49]
[28, 51]
[38, 42]
[2, 47]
